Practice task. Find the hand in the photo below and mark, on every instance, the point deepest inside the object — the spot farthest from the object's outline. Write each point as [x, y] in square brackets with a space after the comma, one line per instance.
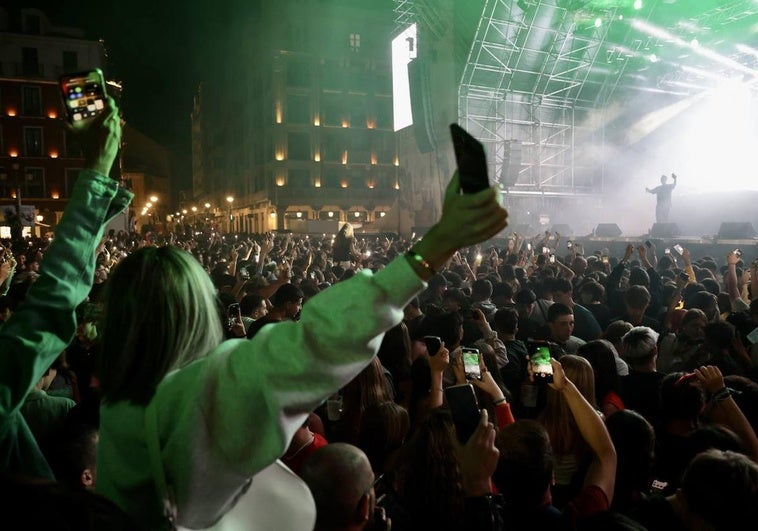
[710, 378]
[628, 252]
[686, 256]
[488, 383]
[479, 458]
[480, 319]
[457, 364]
[642, 251]
[467, 219]
[440, 361]
[560, 380]
[101, 138]
[673, 176]
[732, 258]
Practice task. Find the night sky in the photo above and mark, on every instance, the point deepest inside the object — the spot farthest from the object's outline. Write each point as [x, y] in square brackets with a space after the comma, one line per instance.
[160, 51]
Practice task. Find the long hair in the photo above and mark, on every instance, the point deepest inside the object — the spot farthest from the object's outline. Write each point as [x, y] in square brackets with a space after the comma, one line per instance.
[160, 315]
[557, 417]
[600, 354]
[369, 387]
[430, 482]
[384, 427]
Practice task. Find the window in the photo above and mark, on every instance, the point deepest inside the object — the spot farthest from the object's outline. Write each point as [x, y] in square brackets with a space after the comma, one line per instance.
[332, 108]
[72, 148]
[32, 24]
[299, 146]
[71, 175]
[298, 72]
[31, 104]
[70, 61]
[298, 178]
[5, 184]
[355, 42]
[30, 62]
[33, 141]
[298, 111]
[33, 183]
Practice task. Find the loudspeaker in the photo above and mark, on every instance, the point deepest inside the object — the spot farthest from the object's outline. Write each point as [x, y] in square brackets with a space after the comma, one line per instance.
[736, 231]
[607, 230]
[421, 105]
[511, 163]
[665, 230]
[563, 230]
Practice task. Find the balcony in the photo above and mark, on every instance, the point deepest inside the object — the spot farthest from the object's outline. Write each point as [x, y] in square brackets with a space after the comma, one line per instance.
[333, 196]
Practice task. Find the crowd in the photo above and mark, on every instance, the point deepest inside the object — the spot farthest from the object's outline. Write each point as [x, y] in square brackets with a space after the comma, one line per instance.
[177, 379]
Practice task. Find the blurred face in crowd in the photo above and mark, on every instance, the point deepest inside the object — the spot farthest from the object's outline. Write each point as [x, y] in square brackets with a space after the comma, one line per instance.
[562, 328]
[694, 329]
[260, 311]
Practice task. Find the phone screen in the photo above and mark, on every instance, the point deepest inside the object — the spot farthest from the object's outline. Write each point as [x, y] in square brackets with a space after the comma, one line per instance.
[540, 360]
[84, 95]
[233, 311]
[678, 248]
[552, 259]
[471, 160]
[464, 409]
[471, 363]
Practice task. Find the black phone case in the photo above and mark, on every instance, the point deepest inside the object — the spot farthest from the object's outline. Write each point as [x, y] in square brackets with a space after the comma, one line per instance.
[464, 409]
[471, 160]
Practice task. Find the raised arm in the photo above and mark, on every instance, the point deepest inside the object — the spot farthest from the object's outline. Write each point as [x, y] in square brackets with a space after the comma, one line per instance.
[289, 368]
[45, 322]
[602, 470]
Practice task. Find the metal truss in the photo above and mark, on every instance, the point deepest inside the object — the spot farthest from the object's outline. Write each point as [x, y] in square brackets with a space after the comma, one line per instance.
[533, 71]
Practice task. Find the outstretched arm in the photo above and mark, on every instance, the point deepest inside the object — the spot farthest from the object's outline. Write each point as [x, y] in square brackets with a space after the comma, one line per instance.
[602, 471]
[46, 321]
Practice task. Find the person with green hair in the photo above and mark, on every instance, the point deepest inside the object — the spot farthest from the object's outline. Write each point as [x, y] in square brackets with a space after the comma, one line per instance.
[188, 418]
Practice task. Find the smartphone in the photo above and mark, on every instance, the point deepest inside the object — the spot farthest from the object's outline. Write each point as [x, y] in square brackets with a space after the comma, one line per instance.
[433, 344]
[471, 161]
[471, 363]
[569, 244]
[528, 246]
[552, 258]
[464, 409]
[679, 249]
[84, 96]
[737, 252]
[648, 244]
[545, 250]
[605, 259]
[539, 357]
[232, 312]
[667, 251]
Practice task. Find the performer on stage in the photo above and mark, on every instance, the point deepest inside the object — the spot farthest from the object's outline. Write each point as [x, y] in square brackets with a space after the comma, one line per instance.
[663, 194]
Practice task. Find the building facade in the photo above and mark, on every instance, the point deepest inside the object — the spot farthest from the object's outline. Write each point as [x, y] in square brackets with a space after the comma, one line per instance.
[300, 127]
[39, 158]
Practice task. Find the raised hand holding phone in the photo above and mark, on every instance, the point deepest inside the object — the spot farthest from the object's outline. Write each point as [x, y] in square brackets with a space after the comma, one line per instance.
[471, 160]
[84, 96]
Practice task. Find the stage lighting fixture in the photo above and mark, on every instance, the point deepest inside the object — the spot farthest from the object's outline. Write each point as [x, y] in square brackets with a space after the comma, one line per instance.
[638, 4]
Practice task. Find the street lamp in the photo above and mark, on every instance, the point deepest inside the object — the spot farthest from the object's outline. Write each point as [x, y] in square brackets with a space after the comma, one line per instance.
[230, 200]
[153, 198]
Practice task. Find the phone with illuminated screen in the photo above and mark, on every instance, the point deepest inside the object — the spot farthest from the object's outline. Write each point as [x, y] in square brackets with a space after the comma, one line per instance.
[84, 96]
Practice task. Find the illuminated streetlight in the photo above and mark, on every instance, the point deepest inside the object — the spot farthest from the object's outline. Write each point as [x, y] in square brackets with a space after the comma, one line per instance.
[184, 211]
[230, 200]
[207, 205]
[153, 198]
[194, 209]
[148, 205]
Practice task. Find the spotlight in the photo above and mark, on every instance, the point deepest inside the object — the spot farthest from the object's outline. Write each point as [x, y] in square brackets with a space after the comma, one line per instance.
[638, 4]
